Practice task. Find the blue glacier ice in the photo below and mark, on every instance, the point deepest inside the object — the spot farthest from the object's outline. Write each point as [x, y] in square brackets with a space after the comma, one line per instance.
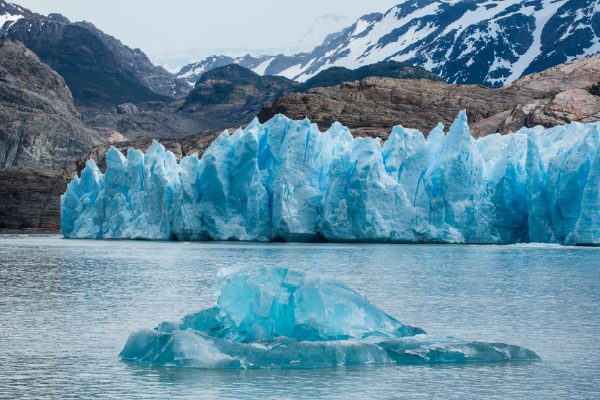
[279, 318]
[286, 180]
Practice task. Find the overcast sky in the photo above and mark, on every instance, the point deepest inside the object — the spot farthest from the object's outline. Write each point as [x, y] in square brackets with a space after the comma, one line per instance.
[162, 27]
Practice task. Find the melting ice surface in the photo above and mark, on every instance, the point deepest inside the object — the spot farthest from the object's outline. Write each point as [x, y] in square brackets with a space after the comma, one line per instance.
[279, 318]
[285, 180]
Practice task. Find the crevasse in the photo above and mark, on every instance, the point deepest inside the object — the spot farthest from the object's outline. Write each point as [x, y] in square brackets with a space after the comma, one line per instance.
[285, 180]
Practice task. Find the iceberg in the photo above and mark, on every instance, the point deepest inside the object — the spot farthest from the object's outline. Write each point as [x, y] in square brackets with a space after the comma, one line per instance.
[279, 318]
[286, 180]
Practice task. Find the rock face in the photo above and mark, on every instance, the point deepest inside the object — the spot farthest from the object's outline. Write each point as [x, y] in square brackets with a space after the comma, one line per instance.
[378, 104]
[571, 90]
[373, 106]
[154, 119]
[39, 125]
[234, 95]
[30, 199]
[97, 67]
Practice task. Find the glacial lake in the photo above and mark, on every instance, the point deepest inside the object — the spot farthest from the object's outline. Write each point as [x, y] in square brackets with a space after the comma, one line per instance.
[67, 307]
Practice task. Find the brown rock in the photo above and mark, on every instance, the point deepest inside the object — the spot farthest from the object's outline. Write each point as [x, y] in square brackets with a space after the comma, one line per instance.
[126, 108]
[30, 199]
[39, 125]
[568, 106]
[581, 74]
[377, 104]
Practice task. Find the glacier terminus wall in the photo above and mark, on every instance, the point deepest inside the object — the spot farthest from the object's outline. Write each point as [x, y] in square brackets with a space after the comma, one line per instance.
[285, 180]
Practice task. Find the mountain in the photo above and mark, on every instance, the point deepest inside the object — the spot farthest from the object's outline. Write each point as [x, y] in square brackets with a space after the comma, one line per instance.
[371, 107]
[40, 133]
[97, 67]
[385, 69]
[30, 199]
[489, 42]
[193, 72]
[233, 95]
[39, 125]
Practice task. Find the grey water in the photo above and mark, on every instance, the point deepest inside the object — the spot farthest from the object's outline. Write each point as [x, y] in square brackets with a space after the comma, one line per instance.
[67, 307]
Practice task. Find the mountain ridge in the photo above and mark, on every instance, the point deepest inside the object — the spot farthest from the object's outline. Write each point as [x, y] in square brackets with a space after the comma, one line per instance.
[489, 42]
[97, 67]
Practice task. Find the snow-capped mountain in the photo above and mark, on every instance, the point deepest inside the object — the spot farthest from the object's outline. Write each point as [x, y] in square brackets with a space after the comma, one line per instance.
[192, 72]
[490, 42]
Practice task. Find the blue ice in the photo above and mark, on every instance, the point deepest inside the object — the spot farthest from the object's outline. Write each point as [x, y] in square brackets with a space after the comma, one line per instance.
[279, 318]
[286, 180]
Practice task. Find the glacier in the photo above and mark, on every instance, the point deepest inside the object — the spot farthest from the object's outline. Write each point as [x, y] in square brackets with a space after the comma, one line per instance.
[280, 318]
[284, 180]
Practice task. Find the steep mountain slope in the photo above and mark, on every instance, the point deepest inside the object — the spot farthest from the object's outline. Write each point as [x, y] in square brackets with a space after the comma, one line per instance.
[39, 125]
[233, 95]
[490, 42]
[559, 95]
[97, 67]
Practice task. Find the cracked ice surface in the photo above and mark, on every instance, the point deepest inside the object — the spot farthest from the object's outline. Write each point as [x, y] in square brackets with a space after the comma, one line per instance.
[285, 180]
[279, 318]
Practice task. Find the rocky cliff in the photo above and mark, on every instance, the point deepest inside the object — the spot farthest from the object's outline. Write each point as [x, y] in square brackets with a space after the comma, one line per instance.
[39, 125]
[30, 199]
[373, 106]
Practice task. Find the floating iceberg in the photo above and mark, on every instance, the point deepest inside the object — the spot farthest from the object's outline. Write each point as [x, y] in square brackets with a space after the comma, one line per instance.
[285, 180]
[278, 318]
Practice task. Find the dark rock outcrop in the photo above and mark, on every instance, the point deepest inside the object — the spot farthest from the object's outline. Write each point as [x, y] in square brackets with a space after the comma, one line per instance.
[386, 69]
[126, 108]
[39, 125]
[30, 199]
[97, 67]
[233, 95]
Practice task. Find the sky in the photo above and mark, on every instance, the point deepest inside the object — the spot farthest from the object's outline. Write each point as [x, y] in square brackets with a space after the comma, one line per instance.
[190, 28]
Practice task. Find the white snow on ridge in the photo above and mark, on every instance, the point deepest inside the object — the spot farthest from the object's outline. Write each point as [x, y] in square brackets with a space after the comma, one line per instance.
[262, 67]
[361, 26]
[481, 13]
[486, 43]
[358, 57]
[541, 19]
[8, 18]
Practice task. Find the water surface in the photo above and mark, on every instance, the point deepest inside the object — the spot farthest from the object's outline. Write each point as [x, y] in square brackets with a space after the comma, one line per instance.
[68, 306]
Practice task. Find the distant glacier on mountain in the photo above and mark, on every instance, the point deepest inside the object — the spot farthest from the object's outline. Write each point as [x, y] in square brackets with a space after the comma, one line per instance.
[489, 42]
[286, 180]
